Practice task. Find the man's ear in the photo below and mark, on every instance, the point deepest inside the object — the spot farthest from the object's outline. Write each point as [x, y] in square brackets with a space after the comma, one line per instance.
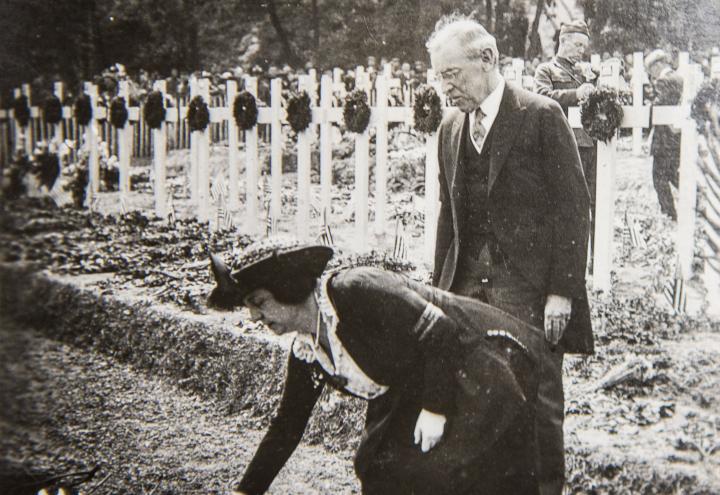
[487, 56]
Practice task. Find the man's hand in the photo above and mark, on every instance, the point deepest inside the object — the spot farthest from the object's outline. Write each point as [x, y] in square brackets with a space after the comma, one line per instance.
[557, 314]
[584, 91]
[429, 429]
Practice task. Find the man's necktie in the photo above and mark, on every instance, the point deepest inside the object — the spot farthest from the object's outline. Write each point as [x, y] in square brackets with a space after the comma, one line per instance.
[479, 131]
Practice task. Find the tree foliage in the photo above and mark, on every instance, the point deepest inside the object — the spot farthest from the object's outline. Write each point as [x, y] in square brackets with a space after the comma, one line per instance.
[642, 24]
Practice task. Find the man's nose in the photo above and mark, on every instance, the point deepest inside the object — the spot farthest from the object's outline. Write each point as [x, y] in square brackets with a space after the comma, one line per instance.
[445, 85]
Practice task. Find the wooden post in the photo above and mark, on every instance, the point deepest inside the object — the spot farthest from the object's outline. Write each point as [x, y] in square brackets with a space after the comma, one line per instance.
[159, 159]
[687, 191]
[432, 185]
[715, 67]
[362, 161]
[233, 164]
[15, 130]
[124, 137]
[91, 142]
[638, 78]
[683, 61]
[29, 130]
[193, 147]
[252, 171]
[276, 149]
[304, 139]
[58, 131]
[362, 166]
[605, 192]
[381, 156]
[203, 138]
[326, 98]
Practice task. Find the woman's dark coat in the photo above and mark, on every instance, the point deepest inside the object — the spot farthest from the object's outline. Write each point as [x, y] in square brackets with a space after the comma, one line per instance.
[483, 380]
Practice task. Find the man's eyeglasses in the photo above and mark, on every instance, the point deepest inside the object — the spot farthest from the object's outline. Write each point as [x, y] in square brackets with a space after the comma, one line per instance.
[448, 75]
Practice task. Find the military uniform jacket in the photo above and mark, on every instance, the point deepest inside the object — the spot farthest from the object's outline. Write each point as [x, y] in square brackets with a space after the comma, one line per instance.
[431, 350]
[559, 79]
[668, 91]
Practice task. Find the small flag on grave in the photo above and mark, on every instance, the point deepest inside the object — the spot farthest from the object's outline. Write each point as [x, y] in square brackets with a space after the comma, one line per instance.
[675, 293]
[400, 244]
[216, 191]
[325, 238]
[633, 231]
[270, 224]
[171, 211]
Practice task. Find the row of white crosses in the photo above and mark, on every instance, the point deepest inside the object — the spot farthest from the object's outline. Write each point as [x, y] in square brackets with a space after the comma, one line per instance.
[325, 113]
[637, 117]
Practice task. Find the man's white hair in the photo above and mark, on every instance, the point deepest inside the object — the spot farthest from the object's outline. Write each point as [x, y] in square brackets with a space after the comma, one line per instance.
[471, 36]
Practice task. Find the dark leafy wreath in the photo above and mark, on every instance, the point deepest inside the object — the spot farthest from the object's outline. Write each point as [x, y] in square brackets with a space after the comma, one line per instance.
[118, 112]
[154, 110]
[601, 114]
[707, 97]
[245, 110]
[21, 110]
[52, 110]
[356, 112]
[299, 112]
[427, 110]
[83, 109]
[198, 114]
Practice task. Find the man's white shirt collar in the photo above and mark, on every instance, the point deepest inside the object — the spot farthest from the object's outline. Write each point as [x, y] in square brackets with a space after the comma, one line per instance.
[490, 108]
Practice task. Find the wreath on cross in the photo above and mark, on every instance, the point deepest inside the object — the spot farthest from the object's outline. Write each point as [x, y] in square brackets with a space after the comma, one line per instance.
[52, 110]
[118, 112]
[21, 109]
[245, 111]
[356, 112]
[154, 110]
[83, 109]
[299, 112]
[601, 114]
[708, 96]
[427, 110]
[198, 114]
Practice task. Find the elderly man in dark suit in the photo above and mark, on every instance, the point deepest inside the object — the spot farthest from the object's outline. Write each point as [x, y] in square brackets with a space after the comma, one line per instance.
[665, 147]
[564, 80]
[514, 215]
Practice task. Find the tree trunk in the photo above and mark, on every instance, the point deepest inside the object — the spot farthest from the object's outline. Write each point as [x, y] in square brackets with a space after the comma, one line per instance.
[191, 52]
[290, 54]
[535, 46]
[489, 15]
[316, 32]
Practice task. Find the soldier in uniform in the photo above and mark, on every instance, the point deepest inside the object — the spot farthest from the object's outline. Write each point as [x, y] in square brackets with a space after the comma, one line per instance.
[563, 80]
[665, 147]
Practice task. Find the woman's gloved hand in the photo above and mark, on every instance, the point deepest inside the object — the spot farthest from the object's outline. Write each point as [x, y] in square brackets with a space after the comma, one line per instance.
[429, 429]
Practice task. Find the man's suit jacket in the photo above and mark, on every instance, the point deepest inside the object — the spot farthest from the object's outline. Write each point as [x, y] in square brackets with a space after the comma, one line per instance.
[539, 206]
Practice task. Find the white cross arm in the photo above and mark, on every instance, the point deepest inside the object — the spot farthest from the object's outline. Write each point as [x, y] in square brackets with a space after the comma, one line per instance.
[670, 115]
[632, 116]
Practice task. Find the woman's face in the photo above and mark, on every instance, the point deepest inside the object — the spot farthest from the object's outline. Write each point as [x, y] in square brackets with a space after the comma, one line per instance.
[278, 317]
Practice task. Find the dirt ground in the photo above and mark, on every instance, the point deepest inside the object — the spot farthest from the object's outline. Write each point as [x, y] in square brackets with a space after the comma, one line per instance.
[657, 430]
[66, 410]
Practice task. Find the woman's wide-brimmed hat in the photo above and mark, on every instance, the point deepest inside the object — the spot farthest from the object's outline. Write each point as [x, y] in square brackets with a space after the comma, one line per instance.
[261, 262]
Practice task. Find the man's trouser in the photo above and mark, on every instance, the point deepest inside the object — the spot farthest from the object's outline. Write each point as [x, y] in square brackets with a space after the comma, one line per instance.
[489, 277]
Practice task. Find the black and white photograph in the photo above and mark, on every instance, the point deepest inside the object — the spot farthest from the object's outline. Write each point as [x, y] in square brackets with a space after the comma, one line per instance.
[378, 247]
